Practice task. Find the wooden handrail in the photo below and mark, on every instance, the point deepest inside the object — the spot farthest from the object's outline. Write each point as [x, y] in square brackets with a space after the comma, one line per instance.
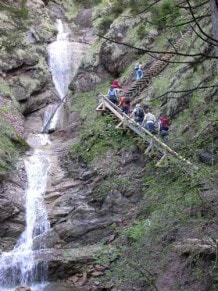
[137, 128]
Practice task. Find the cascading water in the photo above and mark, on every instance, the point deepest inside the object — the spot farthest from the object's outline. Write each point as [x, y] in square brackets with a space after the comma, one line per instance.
[19, 266]
[60, 56]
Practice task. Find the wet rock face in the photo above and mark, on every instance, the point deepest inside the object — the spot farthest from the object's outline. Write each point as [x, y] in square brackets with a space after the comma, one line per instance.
[23, 288]
[12, 210]
[83, 207]
[23, 67]
[84, 18]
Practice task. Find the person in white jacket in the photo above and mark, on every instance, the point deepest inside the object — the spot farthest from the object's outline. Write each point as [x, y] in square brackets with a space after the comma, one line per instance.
[149, 121]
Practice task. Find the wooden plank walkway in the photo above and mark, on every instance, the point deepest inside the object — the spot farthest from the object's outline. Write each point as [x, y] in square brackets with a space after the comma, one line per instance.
[153, 141]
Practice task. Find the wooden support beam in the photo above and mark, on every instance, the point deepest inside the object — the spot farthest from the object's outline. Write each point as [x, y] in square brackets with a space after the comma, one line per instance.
[119, 125]
[100, 107]
[150, 147]
[158, 164]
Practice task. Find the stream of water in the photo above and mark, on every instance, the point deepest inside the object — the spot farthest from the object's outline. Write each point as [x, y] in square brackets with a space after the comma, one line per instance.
[19, 267]
[60, 56]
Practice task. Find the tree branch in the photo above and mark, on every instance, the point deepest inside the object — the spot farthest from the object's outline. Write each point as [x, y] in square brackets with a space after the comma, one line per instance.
[154, 51]
[149, 6]
[196, 22]
[193, 7]
[204, 39]
[185, 91]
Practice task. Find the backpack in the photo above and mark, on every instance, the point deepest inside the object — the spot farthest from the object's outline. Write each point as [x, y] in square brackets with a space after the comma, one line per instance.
[127, 100]
[164, 124]
[139, 112]
[112, 93]
[139, 72]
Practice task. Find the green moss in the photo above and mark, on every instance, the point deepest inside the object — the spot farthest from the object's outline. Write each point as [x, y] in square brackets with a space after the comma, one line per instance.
[171, 203]
[98, 138]
[165, 12]
[21, 12]
[85, 103]
[10, 143]
[91, 58]
[112, 183]
[4, 88]
[29, 83]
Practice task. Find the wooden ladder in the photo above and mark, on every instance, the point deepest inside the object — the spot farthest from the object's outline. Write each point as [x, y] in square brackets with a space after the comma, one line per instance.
[156, 68]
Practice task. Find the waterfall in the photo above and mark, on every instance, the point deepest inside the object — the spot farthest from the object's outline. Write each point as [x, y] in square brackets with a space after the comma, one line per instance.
[19, 266]
[60, 63]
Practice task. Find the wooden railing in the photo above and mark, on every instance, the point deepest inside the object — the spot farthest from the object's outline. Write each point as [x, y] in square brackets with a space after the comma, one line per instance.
[153, 141]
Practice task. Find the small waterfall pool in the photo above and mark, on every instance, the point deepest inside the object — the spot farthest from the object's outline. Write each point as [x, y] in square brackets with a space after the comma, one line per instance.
[19, 267]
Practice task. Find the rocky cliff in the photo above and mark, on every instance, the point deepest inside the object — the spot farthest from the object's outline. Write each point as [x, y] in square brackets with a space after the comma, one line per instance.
[103, 191]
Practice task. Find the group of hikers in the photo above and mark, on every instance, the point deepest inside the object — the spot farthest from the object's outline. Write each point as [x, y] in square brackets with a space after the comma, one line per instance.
[143, 117]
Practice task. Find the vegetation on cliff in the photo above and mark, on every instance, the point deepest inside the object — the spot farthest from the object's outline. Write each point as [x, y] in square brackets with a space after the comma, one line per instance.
[175, 206]
[159, 209]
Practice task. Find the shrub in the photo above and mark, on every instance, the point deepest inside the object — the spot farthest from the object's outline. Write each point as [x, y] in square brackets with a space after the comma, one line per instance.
[87, 3]
[104, 24]
[164, 12]
[141, 31]
[117, 8]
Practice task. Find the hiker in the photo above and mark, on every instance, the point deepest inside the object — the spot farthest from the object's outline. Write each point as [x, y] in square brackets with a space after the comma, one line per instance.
[149, 121]
[117, 87]
[136, 66]
[112, 95]
[163, 126]
[124, 104]
[116, 84]
[136, 69]
[139, 74]
[138, 114]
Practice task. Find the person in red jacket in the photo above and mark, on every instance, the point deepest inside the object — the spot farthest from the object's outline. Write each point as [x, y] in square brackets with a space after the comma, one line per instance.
[117, 87]
[116, 84]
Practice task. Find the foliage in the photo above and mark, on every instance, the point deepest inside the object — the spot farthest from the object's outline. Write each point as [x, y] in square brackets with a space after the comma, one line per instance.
[164, 13]
[104, 23]
[117, 7]
[8, 148]
[171, 203]
[18, 12]
[137, 231]
[10, 142]
[105, 257]
[87, 3]
[142, 31]
[137, 5]
[98, 138]
[4, 87]
[113, 182]
[86, 102]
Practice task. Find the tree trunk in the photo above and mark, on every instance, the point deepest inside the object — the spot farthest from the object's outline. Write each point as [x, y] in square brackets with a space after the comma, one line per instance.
[214, 18]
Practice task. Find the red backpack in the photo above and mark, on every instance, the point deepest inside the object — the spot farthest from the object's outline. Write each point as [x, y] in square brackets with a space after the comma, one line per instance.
[164, 124]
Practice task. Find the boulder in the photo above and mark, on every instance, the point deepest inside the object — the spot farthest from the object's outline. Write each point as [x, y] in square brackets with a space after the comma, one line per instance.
[23, 288]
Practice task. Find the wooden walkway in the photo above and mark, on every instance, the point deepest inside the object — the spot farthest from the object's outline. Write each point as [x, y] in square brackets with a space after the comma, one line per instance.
[154, 142]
